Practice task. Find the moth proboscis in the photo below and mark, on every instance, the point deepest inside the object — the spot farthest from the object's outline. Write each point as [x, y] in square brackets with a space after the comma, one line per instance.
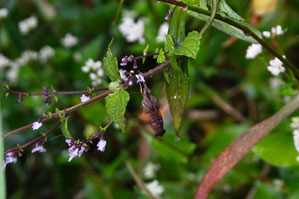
[151, 107]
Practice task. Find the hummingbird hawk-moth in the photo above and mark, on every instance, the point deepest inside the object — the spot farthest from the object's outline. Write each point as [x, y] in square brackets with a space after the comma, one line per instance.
[151, 107]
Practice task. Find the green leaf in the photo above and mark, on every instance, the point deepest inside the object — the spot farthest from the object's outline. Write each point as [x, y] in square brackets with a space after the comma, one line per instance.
[145, 52]
[110, 64]
[161, 57]
[2, 175]
[116, 104]
[177, 88]
[277, 149]
[169, 45]
[229, 29]
[226, 11]
[64, 128]
[113, 85]
[177, 25]
[190, 45]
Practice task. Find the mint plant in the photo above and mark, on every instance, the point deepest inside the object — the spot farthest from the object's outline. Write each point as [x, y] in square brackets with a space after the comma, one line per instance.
[115, 78]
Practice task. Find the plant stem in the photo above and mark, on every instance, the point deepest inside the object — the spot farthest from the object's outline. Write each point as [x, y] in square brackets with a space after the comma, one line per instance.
[209, 22]
[96, 98]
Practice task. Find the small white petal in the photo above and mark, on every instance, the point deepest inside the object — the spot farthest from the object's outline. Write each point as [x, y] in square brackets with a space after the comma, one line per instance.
[101, 145]
[84, 98]
[36, 125]
[267, 34]
[38, 148]
[275, 67]
[253, 50]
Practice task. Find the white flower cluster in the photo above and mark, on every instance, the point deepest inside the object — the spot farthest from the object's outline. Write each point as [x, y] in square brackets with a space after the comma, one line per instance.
[3, 13]
[84, 98]
[163, 29]
[95, 71]
[295, 126]
[155, 189]
[275, 67]
[26, 25]
[150, 170]
[69, 40]
[132, 31]
[275, 31]
[253, 50]
[27, 56]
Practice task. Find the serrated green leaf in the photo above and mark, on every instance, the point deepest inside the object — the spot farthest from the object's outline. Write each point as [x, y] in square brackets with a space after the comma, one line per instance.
[113, 85]
[229, 29]
[177, 88]
[168, 45]
[2, 175]
[156, 51]
[144, 53]
[161, 57]
[190, 45]
[277, 149]
[110, 64]
[64, 128]
[116, 104]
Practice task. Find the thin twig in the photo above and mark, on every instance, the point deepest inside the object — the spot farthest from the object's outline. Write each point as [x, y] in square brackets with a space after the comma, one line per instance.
[138, 181]
[209, 22]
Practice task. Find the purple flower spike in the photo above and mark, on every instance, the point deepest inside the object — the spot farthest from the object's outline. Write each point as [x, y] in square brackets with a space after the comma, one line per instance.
[135, 65]
[38, 148]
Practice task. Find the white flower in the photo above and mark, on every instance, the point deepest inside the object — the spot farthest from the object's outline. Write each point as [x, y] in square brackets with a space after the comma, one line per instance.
[162, 32]
[275, 66]
[253, 50]
[73, 152]
[150, 169]
[140, 78]
[69, 40]
[38, 148]
[36, 125]
[3, 13]
[132, 31]
[82, 149]
[295, 123]
[84, 98]
[155, 189]
[9, 158]
[4, 61]
[12, 73]
[116, 126]
[45, 53]
[101, 145]
[26, 25]
[277, 31]
[26, 57]
[95, 69]
[296, 139]
[266, 34]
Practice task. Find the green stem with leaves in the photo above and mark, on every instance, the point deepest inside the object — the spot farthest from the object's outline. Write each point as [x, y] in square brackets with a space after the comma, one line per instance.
[242, 27]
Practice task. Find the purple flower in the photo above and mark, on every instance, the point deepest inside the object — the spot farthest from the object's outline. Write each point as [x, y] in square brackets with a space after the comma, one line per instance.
[169, 14]
[82, 149]
[73, 152]
[135, 65]
[21, 97]
[102, 144]
[140, 78]
[9, 158]
[38, 148]
[130, 83]
[36, 125]
[130, 59]
[124, 61]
